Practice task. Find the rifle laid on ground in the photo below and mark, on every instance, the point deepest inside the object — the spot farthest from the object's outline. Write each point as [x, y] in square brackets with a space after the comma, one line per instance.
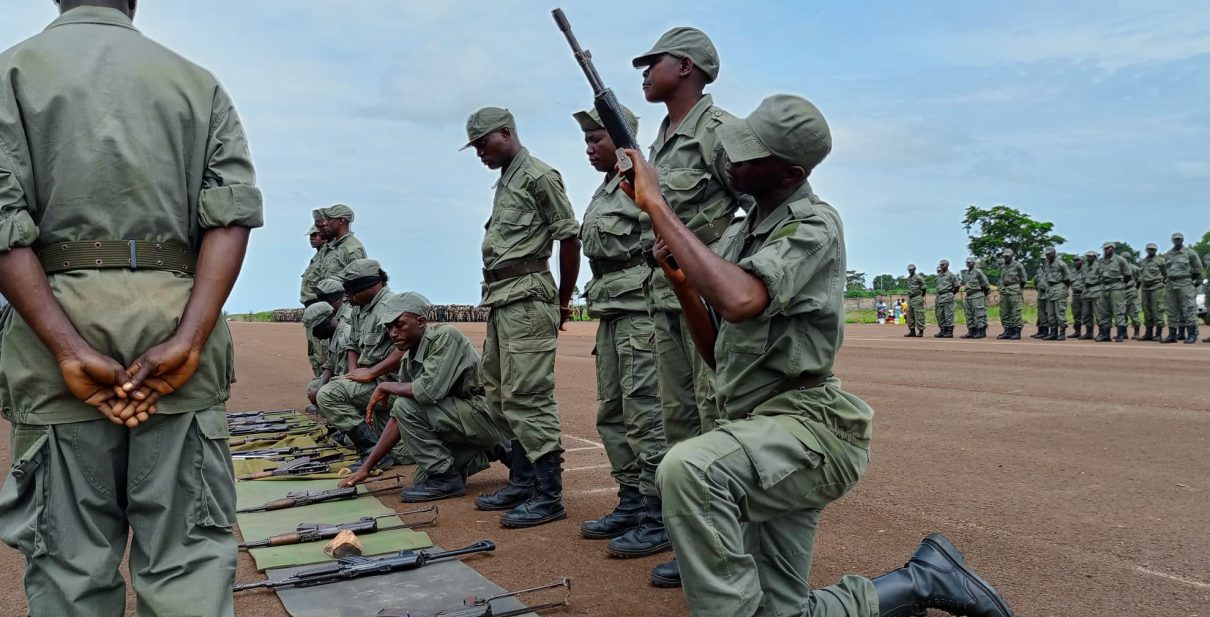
[269, 427]
[301, 466]
[314, 532]
[258, 414]
[281, 453]
[346, 568]
[482, 607]
[296, 499]
[268, 438]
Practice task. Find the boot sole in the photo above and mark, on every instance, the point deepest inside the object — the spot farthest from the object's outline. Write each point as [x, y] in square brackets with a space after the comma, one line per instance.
[594, 535]
[657, 549]
[665, 583]
[951, 553]
[527, 524]
[407, 499]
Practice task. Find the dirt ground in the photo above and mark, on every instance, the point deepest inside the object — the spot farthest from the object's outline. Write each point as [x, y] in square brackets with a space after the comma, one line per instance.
[1073, 475]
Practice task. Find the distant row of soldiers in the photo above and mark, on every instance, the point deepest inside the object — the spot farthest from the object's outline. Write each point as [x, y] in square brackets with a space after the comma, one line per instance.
[1106, 290]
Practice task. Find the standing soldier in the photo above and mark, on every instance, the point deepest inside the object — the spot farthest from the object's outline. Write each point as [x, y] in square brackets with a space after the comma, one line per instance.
[1151, 277]
[1184, 277]
[529, 212]
[1092, 295]
[1077, 296]
[307, 297]
[126, 199]
[628, 412]
[1043, 319]
[743, 502]
[916, 291]
[1058, 280]
[1115, 274]
[947, 286]
[341, 247]
[1132, 295]
[1012, 283]
[976, 286]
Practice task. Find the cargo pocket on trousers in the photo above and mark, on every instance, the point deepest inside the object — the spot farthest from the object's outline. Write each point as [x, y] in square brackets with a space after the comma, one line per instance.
[643, 378]
[215, 478]
[23, 516]
[777, 447]
[530, 365]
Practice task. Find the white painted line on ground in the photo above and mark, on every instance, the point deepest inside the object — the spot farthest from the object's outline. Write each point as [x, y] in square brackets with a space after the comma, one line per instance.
[1004, 343]
[582, 449]
[605, 466]
[595, 491]
[1175, 578]
[587, 441]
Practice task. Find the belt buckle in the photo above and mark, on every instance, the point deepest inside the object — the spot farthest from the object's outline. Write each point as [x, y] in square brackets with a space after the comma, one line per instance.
[134, 255]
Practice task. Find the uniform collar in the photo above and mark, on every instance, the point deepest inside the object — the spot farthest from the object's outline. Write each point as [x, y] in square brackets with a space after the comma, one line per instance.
[781, 212]
[518, 161]
[94, 15]
[337, 242]
[688, 126]
[377, 298]
[418, 354]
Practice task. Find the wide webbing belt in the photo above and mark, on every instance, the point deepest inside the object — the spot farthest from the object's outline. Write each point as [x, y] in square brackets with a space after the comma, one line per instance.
[601, 267]
[513, 270]
[124, 254]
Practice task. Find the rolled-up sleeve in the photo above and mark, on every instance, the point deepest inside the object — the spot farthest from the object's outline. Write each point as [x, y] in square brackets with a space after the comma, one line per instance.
[17, 228]
[229, 194]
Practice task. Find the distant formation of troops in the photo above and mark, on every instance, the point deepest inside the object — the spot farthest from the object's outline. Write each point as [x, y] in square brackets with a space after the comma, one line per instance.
[1105, 290]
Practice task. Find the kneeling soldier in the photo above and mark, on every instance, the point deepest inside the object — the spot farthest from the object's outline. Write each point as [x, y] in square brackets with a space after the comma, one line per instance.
[439, 411]
[742, 502]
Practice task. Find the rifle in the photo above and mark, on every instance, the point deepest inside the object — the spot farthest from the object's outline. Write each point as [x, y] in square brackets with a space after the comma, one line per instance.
[296, 499]
[258, 414]
[603, 99]
[353, 567]
[274, 427]
[268, 438]
[314, 532]
[482, 607]
[301, 466]
[280, 453]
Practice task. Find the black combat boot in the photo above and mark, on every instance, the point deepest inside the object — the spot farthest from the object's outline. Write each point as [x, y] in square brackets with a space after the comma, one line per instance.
[667, 574]
[1136, 336]
[1087, 336]
[981, 332]
[649, 538]
[1102, 334]
[949, 332]
[937, 577]
[970, 332]
[1061, 334]
[1121, 334]
[1040, 333]
[1005, 334]
[1015, 335]
[940, 332]
[520, 483]
[546, 506]
[1191, 334]
[432, 488]
[1148, 335]
[364, 439]
[1172, 335]
[1052, 334]
[625, 516]
[911, 333]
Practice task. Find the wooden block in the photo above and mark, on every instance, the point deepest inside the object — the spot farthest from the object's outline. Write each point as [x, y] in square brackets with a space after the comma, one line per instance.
[344, 544]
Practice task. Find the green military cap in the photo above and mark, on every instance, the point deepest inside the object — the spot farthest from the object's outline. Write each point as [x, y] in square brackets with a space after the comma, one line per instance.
[970, 260]
[360, 268]
[911, 266]
[329, 286]
[1090, 254]
[1127, 254]
[783, 125]
[312, 231]
[590, 120]
[1107, 245]
[339, 211]
[1050, 250]
[316, 314]
[1007, 252]
[485, 121]
[944, 262]
[684, 43]
[1178, 236]
[397, 304]
[1152, 245]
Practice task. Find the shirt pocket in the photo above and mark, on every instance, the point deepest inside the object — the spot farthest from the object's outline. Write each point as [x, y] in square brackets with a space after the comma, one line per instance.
[683, 185]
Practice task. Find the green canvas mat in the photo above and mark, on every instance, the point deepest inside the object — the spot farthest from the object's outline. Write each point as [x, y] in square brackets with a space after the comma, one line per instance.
[379, 543]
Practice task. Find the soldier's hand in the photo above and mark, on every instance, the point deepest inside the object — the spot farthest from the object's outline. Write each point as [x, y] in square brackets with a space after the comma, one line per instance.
[358, 477]
[159, 371]
[565, 313]
[312, 395]
[675, 276]
[379, 397]
[645, 190]
[361, 375]
[94, 378]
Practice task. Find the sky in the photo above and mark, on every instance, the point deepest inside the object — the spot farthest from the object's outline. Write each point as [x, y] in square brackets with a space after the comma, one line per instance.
[1089, 114]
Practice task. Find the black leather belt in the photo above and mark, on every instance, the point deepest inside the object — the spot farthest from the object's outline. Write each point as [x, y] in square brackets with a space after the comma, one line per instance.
[513, 270]
[601, 267]
[114, 254]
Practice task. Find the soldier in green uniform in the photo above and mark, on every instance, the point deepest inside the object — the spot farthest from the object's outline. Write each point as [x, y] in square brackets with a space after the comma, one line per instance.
[1012, 283]
[371, 357]
[1115, 275]
[306, 296]
[1131, 294]
[743, 502]
[124, 171]
[628, 411]
[1058, 280]
[1184, 277]
[947, 285]
[332, 334]
[1043, 319]
[438, 409]
[1077, 296]
[529, 212]
[1092, 295]
[916, 292]
[975, 302]
[341, 247]
[1152, 273]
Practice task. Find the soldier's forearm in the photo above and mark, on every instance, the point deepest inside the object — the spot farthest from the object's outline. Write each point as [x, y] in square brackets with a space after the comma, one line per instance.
[218, 265]
[24, 283]
[569, 269]
[388, 364]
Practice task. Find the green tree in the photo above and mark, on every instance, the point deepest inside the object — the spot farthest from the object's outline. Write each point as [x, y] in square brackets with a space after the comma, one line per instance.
[1201, 247]
[994, 229]
[885, 282]
[854, 280]
[1122, 248]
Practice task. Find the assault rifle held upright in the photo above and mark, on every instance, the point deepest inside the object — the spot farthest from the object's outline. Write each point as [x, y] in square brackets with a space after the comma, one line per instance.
[482, 607]
[314, 532]
[354, 567]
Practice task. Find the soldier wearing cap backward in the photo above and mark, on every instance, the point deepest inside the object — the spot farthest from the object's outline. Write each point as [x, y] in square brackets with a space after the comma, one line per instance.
[306, 296]
[124, 172]
[438, 409]
[742, 502]
[1115, 275]
[947, 285]
[369, 359]
[628, 412]
[1091, 309]
[530, 210]
[1012, 283]
[1152, 272]
[916, 291]
[1077, 296]
[1184, 277]
[1058, 280]
[975, 302]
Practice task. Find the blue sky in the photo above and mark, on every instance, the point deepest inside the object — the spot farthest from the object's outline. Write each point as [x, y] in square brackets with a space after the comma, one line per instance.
[1092, 115]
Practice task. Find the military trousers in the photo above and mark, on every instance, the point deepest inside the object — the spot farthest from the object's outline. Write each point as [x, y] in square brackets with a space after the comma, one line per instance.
[343, 402]
[1092, 308]
[944, 310]
[1182, 303]
[1153, 307]
[629, 419]
[76, 492]
[1131, 306]
[742, 505]
[975, 306]
[1045, 314]
[1010, 310]
[1077, 308]
[316, 352]
[454, 433]
[916, 315]
[1113, 308]
[518, 373]
[686, 381]
[1057, 307]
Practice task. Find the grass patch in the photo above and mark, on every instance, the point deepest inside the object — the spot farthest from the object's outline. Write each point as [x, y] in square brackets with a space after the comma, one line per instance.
[261, 316]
